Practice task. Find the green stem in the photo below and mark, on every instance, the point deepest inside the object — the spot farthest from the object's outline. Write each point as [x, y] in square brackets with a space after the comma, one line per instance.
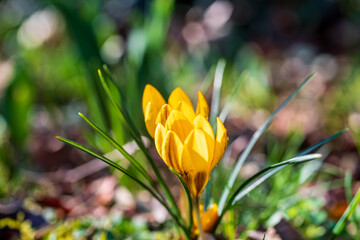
[198, 218]
[188, 197]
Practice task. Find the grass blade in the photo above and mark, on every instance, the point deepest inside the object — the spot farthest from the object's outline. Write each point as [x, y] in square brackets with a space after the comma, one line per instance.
[206, 82]
[188, 197]
[117, 108]
[348, 194]
[340, 225]
[347, 186]
[104, 159]
[215, 99]
[269, 171]
[309, 169]
[319, 144]
[132, 160]
[253, 140]
[226, 109]
[215, 102]
[123, 110]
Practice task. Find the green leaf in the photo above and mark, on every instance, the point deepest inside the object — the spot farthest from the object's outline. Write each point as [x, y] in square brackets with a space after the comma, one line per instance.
[264, 174]
[215, 99]
[132, 160]
[309, 169]
[214, 110]
[188, 196]
[106, 160]
[347, 185]
[340, 225]
[226, 109]
[206, 83]
[348, 194]
[313, 147]
[253, 140]
[118, 109]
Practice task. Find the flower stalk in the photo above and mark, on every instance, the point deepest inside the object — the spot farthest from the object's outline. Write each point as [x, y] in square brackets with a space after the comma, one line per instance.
[196, 204]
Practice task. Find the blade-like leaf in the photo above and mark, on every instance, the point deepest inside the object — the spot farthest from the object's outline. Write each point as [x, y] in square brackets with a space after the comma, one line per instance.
[215, 102]
[226, 109]
[340, 225]
[313, 147]
[347, 185]
[348, 193]
[206, 83]
[106, 160]
[309, 169]
[264, 174]
[188, 196]
[132, 160]
[122, 107]
[253, 140]
[215, 99]
[117, 108]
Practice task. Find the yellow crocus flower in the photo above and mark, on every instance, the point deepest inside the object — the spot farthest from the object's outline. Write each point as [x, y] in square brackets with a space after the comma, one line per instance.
[153, 102]
[183, 137]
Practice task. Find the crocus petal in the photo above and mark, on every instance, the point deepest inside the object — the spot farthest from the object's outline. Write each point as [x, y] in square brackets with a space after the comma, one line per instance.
[178, 95]
[198, 146]
[150, 116]
[200, 122]
[220, 143]
[202, 107]
[171, 150]
[186, 162]
[209, 218]
[151, 95]
[187, 110]
[160, 133]
[178, 123]
[163, 114]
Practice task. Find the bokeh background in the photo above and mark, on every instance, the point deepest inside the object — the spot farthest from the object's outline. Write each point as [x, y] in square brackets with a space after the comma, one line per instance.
[50, 51]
